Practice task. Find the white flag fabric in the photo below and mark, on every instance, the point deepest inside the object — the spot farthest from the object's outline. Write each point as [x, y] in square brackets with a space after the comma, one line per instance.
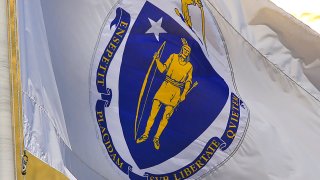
[282, 39]
[282, 114]
[170, 90]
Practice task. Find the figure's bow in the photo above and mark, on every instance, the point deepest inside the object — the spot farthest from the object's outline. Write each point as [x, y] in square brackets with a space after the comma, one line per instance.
[144, 84]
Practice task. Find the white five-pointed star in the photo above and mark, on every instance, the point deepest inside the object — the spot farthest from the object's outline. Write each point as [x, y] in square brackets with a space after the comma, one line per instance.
[156, 28]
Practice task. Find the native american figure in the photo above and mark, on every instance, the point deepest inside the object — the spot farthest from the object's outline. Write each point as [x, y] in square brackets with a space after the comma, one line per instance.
[173, 90]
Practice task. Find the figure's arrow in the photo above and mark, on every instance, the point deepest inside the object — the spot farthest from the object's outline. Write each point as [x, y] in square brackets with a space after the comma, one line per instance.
[144, 84]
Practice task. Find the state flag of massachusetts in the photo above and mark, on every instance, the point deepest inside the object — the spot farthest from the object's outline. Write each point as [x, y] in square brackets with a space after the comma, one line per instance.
[162, 91]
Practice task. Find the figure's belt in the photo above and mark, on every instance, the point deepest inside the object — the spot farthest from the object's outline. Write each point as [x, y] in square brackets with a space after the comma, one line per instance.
[174, 82]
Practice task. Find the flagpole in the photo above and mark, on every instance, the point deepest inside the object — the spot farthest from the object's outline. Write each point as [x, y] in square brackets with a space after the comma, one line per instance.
[6, 134]
[19, 152]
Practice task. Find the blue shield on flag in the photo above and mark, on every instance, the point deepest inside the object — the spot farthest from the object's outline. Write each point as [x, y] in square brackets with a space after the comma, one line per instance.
[191, 117]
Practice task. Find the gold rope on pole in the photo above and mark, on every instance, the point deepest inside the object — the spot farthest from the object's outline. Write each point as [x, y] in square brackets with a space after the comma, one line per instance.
[15, 80]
